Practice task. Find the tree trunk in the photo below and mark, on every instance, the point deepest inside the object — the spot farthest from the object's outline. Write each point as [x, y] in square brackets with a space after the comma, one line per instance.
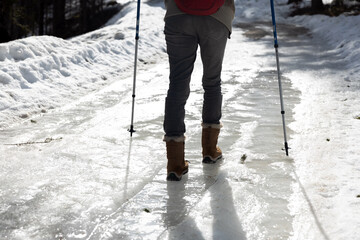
[338, 3]
[317, 5]
[59, 17]
[5, 20]
[41, 17]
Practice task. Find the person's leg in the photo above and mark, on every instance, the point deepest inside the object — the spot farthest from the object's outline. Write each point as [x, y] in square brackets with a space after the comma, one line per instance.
[213, 37]
[181, 41]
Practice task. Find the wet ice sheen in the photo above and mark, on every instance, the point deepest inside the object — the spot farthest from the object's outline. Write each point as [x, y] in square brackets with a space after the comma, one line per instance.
[97, 184]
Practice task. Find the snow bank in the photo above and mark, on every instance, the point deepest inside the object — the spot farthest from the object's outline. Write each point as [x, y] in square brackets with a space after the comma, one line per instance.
[338, 32]
[42, 73]
[326, 151]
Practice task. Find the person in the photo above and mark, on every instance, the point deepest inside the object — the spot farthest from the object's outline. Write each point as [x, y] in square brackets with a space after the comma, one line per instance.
[184, 32]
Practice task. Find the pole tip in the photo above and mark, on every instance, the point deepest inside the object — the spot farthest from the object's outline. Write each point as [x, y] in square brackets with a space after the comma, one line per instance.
[286, 149]
[131, 130]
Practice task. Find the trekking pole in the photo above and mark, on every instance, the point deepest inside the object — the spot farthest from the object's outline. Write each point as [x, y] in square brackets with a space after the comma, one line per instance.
[131, 130]
[276, 45]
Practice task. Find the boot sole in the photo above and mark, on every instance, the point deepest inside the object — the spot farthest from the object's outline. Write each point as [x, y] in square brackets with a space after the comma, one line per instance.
[172, 176]
[210, 160]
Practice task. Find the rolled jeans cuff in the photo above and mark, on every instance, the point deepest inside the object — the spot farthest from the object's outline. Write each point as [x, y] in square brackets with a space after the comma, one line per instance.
[212, 125]
[174, 138]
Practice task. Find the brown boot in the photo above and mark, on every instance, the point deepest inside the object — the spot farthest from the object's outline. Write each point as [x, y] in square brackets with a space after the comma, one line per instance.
[211, 152]
[176, 166]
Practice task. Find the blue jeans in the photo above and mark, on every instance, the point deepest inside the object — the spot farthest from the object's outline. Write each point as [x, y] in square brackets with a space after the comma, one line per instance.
[183, 34]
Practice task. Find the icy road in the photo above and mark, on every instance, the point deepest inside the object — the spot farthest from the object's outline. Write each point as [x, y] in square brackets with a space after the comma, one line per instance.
[75, 173]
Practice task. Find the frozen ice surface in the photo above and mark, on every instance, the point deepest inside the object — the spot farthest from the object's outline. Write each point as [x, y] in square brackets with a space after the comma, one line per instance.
[94, 182]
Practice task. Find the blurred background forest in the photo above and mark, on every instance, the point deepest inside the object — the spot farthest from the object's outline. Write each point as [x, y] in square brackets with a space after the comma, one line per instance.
[61, 18]
[67, 18]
